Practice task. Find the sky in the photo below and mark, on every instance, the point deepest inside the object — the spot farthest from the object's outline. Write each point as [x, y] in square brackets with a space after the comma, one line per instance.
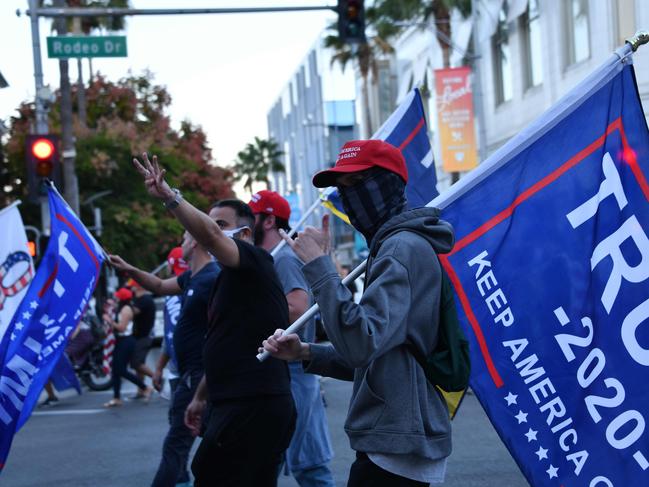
[223, 71]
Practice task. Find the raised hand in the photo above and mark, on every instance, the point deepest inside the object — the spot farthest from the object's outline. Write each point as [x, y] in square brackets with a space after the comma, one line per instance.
[153, 177]
[311, 243]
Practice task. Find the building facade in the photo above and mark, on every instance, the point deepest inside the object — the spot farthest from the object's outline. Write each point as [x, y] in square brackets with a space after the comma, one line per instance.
[311, 119]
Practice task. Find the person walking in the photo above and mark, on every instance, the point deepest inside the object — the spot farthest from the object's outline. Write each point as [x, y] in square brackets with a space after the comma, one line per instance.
[310, 452]
[397, 422]
[143, 322]
[194, 286]
[124, 347]
[252, 414]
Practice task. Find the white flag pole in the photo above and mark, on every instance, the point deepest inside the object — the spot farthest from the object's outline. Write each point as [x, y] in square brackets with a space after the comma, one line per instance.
[308, 314]
[293, 231]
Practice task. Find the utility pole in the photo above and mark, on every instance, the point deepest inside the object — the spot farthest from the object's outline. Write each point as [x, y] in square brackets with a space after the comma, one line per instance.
[42, 126]
[71, 190]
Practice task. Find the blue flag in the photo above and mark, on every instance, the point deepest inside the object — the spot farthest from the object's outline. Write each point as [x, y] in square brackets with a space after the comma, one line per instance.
[551, 270]
[407, 130]
[64, 377]
[51, 309]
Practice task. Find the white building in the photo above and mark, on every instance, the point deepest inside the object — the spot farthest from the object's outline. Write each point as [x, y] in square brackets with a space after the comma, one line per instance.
[528, 54]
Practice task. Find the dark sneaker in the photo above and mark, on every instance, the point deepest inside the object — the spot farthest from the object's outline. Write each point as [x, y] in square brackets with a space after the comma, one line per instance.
[50, 401]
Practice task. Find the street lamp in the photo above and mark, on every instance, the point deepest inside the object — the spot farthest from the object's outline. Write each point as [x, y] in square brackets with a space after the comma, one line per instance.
[97, 228]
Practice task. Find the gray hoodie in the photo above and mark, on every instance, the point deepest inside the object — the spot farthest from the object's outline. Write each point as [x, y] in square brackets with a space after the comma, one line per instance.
[393, 408]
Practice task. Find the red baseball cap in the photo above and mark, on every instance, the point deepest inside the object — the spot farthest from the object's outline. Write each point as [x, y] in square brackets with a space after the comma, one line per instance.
[124, 294]
[359, 155]
[270, 203]
[176, 262]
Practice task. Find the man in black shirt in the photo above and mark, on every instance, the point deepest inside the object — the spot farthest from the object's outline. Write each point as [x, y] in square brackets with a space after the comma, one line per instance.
[253, 414]
[195, 285]
[143, 321]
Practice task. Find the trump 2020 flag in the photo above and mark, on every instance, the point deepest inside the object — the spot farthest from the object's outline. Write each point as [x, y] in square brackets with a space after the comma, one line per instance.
[52, 307]
[16, 267]
[406, 129]
[551, 269]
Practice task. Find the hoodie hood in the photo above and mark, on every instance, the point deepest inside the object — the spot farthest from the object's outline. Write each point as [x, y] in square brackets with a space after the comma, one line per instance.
[423, 221]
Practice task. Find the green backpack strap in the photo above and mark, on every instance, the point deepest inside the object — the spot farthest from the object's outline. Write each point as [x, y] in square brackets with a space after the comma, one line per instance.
[449, 365]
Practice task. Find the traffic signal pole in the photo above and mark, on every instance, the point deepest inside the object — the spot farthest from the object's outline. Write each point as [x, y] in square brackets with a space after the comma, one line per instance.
[41, 114]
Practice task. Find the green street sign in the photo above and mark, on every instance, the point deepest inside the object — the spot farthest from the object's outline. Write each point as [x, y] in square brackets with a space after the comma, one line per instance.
[86, 46]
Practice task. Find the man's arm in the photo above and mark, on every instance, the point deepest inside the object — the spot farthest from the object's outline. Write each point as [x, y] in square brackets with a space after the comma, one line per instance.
[204, 230]
[151, 282]
[298, 303]
[163, 360]
[196, 408]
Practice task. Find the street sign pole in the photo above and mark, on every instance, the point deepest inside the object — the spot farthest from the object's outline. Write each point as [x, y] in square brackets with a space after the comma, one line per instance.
[41, 114]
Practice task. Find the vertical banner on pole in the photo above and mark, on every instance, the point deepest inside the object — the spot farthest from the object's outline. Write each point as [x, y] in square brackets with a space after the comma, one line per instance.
[455, 118]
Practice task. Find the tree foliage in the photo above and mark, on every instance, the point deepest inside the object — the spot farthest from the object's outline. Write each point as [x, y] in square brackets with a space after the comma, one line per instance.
[257, 161]
[125, 119]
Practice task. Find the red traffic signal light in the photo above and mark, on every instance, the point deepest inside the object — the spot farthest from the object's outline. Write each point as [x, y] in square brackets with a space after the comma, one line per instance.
[42, 158]
[42, 148]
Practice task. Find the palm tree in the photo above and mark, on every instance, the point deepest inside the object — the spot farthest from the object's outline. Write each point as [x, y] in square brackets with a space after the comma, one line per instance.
[257, 161]
[366, 55]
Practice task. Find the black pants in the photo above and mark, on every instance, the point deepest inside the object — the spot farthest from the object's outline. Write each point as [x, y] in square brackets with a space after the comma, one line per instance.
[124, 347]
[244, 442]
[365, 473]
[179, 440]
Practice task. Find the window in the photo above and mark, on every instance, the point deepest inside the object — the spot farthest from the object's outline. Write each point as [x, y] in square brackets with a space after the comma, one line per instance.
[502, 58]
[626, 20]
[532, 45]
[578, 31]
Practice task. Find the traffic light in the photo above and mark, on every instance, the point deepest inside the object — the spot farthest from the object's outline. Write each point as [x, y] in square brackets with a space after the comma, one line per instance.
[42, 157]
[351, 21]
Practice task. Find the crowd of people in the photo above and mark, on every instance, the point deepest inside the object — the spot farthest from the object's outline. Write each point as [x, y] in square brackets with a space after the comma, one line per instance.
[240, 281]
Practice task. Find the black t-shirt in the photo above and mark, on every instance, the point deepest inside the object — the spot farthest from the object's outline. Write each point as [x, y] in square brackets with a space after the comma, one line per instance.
[145, 318]
[247, 306]
[192, 321]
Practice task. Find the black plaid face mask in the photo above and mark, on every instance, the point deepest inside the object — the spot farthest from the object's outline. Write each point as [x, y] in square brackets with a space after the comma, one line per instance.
[374, 200]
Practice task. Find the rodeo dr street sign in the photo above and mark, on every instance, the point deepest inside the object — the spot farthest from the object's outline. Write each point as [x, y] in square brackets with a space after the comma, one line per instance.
[86, 46]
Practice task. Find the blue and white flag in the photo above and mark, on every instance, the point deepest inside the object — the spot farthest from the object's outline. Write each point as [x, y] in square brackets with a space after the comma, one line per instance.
[173, 305]
[407, 130]
[551, 270]
[51, 309]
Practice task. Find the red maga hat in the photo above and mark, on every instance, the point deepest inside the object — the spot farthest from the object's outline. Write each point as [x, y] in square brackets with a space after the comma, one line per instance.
[176, 262]
[270, 203]
[124, 294]
[359, 155]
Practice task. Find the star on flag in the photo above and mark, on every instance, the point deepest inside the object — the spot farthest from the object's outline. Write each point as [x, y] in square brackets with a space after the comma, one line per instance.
[521, 417]
[511, 399]
[27, 315]
[552, 471]
[33, 305]
[531, 435]
[542, 453]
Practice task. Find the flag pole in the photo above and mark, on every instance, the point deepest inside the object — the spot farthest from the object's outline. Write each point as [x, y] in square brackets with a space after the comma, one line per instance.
[638, 39]
[10, 206]
[309, 313]
[293, 231]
